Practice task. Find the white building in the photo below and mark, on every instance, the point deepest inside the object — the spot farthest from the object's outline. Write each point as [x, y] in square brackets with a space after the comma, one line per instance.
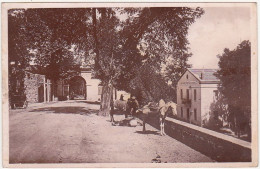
[196, 90]
[84, 86]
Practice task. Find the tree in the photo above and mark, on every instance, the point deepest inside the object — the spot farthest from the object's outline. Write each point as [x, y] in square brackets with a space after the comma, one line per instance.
[235, 86]
[148, 34]
[150, 86]
[55, 38]
[18, 52]
[55, 41]
[120, 47]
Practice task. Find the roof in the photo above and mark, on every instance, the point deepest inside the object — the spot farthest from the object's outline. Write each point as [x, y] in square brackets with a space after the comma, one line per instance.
[205, 75]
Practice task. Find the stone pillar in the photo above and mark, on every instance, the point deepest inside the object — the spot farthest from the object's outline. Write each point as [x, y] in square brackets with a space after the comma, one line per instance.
[68, 92]
[53, 91]
[86, 92]
[115, 94]
[44, 89]
[62, 87]
[48, 90]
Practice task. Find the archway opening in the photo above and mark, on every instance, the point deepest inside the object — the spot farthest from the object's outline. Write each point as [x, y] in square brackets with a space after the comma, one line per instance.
[77, 88]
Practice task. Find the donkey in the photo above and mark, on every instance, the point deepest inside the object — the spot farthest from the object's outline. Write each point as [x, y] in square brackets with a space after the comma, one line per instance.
[163, 112]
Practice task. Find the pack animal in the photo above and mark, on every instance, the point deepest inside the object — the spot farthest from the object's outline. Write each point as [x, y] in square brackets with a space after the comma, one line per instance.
[163, 109]
[120, 105]
[163, 112]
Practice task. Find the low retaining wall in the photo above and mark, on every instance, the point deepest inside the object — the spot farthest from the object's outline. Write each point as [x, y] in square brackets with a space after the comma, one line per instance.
[220, 147]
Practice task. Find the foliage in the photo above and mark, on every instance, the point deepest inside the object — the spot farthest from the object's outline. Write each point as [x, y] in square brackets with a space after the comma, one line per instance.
[163, 44]
[218, 114]
[55, 39]
[149, 85]
[17, 39]
[147, 35]
[131, 50]
[165, 40]
[18, 51]
[235, 77]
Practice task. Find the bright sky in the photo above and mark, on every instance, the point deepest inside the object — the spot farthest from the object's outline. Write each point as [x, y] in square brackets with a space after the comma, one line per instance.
[217, 29]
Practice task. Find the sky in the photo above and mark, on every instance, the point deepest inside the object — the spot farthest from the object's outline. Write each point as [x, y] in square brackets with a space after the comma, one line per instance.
[218, 28]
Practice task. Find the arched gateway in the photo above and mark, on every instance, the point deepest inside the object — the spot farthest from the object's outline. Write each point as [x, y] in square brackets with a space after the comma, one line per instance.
[39, 88]
[82, 86]
[77, 88]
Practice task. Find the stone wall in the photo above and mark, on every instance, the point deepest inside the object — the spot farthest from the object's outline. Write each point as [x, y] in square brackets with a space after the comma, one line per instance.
[32, 82]
[218, 146]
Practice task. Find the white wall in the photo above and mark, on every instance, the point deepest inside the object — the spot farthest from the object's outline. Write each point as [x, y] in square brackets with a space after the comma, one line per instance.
[125, 94]
[207, 98]
[190, 83]
[92, 87]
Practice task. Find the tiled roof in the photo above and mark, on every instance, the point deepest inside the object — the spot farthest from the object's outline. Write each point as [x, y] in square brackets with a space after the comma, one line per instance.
[205, 75]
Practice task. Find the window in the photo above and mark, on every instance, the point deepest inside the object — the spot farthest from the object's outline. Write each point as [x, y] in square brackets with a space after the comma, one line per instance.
[181, 112]
[100, 90]
[195, 94]
[195, 114]
[187, 76]
[188, 113]
[188, 95]
[181, 94]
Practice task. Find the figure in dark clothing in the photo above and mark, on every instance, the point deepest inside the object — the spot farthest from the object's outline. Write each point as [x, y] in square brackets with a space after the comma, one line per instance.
[111, 110]
[132, 105]
[121, 97]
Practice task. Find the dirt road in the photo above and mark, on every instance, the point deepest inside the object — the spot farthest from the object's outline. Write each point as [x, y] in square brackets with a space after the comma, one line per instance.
[71, 132]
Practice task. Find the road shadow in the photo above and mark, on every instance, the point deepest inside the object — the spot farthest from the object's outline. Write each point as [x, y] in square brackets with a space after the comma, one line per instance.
[66, 110]
[148, 132]
[88, 102]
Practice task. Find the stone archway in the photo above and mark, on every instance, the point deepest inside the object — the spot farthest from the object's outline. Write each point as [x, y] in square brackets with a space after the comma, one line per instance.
[77, 88]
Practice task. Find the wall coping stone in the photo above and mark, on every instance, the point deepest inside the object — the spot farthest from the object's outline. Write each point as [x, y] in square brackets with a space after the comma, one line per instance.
[212, 133]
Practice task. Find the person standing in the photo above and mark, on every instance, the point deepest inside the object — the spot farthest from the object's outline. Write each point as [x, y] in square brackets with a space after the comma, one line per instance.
[121, 97]
[145, 110]
[128, 107]
[111, 113]
[133, 105]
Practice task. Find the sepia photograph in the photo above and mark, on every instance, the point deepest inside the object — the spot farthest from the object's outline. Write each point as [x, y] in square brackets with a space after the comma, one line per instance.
[129, 84]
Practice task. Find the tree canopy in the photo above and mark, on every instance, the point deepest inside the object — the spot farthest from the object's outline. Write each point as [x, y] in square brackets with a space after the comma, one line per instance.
[56, 36]
[235, 77]
[125, 43]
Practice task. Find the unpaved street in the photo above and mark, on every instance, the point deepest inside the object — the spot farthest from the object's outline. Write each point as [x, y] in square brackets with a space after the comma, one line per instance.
[71, 132]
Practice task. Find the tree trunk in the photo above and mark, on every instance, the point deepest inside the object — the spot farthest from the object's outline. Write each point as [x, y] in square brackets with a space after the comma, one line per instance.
[94, 18]
[105, 100]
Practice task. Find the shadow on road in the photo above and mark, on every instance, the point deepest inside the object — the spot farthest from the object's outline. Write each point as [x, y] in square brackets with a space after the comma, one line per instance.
[148, 132]
[66, 110]
[88, 102]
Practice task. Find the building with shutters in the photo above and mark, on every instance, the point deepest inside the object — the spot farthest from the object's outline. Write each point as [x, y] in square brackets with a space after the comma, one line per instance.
[196, 90]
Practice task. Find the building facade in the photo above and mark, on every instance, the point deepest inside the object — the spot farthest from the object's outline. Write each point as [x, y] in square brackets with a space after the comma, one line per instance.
[196, 91]
[82, 86]
[38, 88]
